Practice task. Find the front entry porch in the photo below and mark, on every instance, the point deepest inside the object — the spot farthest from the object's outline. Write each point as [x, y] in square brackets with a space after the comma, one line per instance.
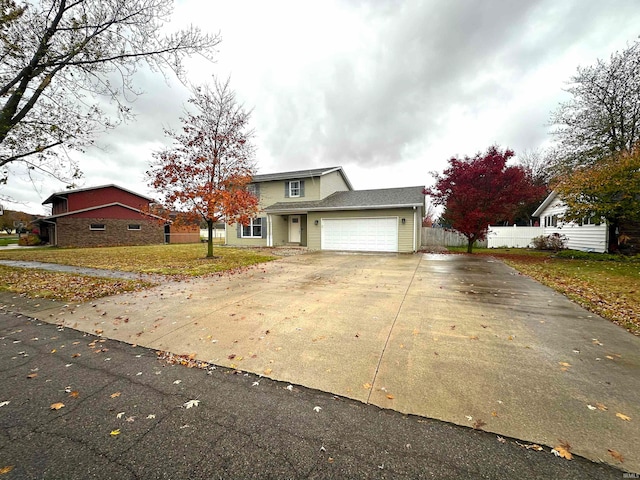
[287, 229]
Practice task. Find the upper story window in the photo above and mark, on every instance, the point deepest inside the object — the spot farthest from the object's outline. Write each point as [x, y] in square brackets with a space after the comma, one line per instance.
[294, 188]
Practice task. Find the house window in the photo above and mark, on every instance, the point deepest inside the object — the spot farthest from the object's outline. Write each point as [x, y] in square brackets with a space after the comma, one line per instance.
[134, 226]
[253, 230]
[294, 188]
[97, 226]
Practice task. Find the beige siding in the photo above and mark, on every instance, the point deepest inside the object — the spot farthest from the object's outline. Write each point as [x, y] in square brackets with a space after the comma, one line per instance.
[279, 229]
[406, 232]
[273, 192]
[330, 183]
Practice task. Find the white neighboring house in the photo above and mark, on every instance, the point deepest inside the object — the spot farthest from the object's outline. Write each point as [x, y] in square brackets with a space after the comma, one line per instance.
[591, 235]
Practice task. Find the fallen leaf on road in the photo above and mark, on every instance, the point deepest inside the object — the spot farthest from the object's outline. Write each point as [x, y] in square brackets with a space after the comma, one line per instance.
[75, 355]
[595, 341]
[115, 395]
[289, 387]
[32, 375]
[564, 364]
[56, 406]
[530, 446]
[500, 439]
[115, 432]
[120, 415]
[494, 414]
[74, 394]
[6, 469]
[562, 450]
[624, 417]
[617, 455]
[601, 406]
[151, 416]
[5, 403]
[131, 419]
[53, 351]
[591, 407]
[176, 382]
[317, 409]
[255, 384]
[191, 403]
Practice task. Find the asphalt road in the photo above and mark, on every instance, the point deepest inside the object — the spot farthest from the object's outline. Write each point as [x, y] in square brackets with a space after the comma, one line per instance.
[125, 416]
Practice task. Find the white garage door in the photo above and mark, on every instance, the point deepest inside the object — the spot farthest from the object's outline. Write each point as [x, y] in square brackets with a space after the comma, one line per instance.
[360, 234]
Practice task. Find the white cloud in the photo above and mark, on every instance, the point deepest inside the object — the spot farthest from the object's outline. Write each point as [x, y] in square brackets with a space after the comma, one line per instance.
[389, 90]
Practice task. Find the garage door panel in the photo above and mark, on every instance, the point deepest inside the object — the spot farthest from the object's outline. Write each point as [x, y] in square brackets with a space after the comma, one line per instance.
[378, 234]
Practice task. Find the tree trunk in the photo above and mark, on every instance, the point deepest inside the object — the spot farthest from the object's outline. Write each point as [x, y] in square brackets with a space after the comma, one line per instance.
[613, 236]
[210, 238]
[470, 244]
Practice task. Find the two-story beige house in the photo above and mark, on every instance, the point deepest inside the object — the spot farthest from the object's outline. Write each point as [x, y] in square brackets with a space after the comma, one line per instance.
[320, 209]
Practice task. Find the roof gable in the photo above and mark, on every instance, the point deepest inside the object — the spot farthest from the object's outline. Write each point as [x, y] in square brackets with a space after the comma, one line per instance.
[297, 174]
[66, 193]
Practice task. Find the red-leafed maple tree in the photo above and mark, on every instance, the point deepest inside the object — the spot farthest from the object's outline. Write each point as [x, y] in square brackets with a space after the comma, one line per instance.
[481, 190]
[206, 171]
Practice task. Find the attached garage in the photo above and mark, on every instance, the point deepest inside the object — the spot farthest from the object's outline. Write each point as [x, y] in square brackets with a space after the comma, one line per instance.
[386, 220]
[379, 234]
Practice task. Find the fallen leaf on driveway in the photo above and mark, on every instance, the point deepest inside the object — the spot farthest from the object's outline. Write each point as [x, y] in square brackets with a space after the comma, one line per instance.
[74, 394]
[564, 364]
[267, 371]
[601, 406]
[5, 403]
[176, 382]
[617, 455]
[191, 403]
[288, 387]
[115, 432]
[501, 439]
[473, 337]
[563, 450]
[32, 375]
[390, 397]
[120, 415]
[478, 424]
[624, 417]
[317, 409]
[591, 407]
[151, 416]
[115, 395]
[366, 386]
[56, 406]
[6, 469]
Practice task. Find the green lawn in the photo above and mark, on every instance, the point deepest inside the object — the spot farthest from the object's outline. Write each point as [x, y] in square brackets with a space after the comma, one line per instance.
[607, 285]
[7, 240]
[176, 261]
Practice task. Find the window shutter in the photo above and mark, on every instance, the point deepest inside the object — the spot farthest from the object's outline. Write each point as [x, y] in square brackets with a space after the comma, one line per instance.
[302, 188]
[263, 222]
[286, 189]
[239, 230]
[256, 190]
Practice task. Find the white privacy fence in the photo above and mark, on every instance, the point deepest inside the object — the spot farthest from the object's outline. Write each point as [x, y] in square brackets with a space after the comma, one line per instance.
[512, 237]
[442, 237]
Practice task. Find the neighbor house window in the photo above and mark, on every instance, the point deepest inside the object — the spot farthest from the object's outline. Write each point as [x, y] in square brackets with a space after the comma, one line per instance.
[97, 226]
[133, 226]
[294, 188]
[253, 230]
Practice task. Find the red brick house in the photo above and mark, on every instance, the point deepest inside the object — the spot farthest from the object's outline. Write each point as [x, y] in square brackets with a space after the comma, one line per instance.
[108, 215]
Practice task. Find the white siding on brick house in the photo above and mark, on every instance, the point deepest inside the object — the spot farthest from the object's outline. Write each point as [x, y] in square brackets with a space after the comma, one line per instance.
[588, 238]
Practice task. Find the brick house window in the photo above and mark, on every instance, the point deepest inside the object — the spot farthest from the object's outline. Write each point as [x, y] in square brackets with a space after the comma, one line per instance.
[135, 226]
[97, 226]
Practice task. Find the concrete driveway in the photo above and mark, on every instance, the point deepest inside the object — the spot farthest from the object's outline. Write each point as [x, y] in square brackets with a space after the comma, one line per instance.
[458, 338]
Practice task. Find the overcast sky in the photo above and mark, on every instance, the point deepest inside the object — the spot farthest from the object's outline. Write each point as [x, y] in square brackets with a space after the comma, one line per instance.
[390, 90]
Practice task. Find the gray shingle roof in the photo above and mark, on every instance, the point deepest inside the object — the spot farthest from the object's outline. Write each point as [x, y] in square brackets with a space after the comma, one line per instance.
[357, 200]
[299, 174]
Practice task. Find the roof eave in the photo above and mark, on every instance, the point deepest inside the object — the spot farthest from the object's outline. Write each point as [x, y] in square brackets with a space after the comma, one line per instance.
[349, 207]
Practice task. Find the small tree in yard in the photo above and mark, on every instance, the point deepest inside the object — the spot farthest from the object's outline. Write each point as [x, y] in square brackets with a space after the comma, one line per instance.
[206, 172]
[480, 191]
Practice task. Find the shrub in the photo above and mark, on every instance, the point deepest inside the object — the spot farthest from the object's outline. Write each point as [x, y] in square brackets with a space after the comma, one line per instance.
[554, 242]
[30, 240]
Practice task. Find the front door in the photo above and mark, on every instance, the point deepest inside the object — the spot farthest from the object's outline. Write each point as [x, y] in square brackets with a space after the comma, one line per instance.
[294, 228]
